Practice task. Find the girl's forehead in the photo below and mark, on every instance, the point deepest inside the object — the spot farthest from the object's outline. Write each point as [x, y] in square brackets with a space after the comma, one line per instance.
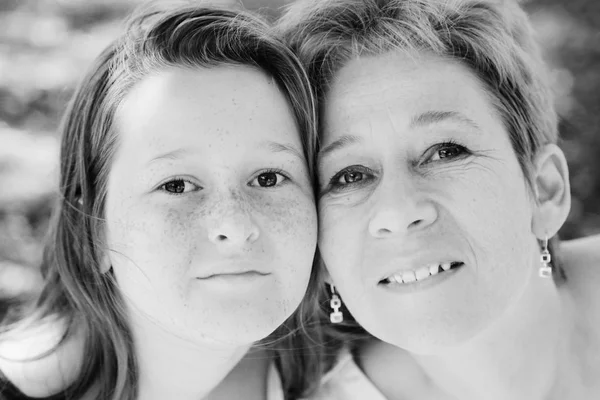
[205, 112]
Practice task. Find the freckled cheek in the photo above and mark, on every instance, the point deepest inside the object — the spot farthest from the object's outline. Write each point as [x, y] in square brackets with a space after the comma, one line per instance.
[151, 234]
[291, 224]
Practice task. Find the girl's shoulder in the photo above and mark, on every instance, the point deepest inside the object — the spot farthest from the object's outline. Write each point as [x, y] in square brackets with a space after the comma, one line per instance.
[345, 381]
[37, 361]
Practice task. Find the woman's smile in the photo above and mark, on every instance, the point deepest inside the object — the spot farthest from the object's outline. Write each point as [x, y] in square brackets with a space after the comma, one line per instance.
[412, 277]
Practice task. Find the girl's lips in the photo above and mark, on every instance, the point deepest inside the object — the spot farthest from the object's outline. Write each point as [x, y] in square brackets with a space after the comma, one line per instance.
[234, 275]
[239, 283]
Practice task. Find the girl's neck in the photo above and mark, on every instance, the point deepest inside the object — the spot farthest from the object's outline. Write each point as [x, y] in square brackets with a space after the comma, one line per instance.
[522, 356]
[172, 367]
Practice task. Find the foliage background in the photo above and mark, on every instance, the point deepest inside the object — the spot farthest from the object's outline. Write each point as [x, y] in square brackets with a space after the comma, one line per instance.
[46, 44]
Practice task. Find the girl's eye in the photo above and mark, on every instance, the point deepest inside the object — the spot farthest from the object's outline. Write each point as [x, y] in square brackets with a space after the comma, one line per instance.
[179, 186]
[268, 179]
[447, 151]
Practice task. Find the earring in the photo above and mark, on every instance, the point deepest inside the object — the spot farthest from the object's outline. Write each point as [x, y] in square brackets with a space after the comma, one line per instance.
[545, 259]
[335, 303]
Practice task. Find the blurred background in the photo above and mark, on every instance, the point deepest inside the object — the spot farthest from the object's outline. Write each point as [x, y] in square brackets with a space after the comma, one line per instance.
[45, 45]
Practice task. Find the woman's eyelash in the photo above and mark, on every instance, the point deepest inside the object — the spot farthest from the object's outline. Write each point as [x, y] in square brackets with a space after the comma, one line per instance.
[451, 149]
[353, 175]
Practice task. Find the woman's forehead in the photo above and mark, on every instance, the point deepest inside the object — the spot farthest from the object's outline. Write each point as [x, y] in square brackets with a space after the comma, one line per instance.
[405, 89]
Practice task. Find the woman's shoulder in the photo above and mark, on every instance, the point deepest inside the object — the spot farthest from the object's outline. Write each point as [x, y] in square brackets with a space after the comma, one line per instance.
[581, 258]
[345, 381]
[581, 261]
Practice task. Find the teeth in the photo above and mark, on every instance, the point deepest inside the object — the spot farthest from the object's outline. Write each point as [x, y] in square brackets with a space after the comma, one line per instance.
[408, 276]
[422, 273]
[434, 269]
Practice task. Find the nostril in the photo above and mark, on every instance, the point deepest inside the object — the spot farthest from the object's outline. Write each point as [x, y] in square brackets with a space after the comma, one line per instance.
[384, 231]
[416, 223]
[221, 238]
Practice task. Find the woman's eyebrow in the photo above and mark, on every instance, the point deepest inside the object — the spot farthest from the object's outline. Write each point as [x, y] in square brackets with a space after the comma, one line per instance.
[435, 117]
[343, 141]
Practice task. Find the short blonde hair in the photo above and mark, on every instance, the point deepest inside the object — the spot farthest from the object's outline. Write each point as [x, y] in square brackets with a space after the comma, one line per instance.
[493, 38]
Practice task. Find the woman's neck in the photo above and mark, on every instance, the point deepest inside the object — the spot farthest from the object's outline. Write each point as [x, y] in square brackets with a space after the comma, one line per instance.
[520, 357]
[172, 367]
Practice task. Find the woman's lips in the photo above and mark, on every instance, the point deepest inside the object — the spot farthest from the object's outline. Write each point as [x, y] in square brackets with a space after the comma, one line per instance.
[426, 272]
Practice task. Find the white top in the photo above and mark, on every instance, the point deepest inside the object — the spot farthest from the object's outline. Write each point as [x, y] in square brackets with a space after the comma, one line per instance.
[346, 381]
[274, 387]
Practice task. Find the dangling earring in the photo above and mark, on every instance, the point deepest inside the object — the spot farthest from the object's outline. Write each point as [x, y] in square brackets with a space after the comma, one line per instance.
[545, 259]
[335, 303]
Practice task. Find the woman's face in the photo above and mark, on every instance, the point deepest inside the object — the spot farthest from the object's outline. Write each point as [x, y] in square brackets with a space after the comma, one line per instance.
[417, 175]
[210, 216]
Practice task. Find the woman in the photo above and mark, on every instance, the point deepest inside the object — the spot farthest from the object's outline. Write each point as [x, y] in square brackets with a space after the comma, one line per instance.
[186, 226]
[441, 191]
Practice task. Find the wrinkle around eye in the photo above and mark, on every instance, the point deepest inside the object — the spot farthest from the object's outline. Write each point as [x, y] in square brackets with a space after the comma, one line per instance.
[462, 169]
[349, 199]
[350, 192]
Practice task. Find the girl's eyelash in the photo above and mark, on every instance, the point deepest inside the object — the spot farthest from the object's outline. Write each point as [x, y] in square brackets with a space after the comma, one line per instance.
[274, 171]
[270, 171]
[161, 187]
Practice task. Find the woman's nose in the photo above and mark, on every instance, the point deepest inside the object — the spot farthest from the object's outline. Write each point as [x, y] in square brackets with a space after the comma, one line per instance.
[400, 209]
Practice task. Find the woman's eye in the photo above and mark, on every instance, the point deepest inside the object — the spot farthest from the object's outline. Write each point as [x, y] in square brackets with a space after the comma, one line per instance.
[179, 186]
[446, 151]
[268, 179]
[351, 176]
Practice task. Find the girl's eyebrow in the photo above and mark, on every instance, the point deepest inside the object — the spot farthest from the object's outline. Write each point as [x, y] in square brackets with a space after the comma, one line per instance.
[274, 147]
[170, 155]
[277, 147]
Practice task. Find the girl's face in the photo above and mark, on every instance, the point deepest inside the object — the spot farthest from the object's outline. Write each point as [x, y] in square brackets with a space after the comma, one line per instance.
[425, 212]
[210, 216]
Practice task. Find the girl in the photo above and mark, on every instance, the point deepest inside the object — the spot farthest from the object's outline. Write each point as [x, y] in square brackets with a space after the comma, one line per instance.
[185, 227]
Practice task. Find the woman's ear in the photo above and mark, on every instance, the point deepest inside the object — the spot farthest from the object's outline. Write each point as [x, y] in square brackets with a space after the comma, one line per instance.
[105, 263]
[552, 191]
[325, 273]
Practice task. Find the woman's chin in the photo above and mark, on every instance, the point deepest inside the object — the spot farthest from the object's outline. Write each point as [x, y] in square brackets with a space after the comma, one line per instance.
[430, 338]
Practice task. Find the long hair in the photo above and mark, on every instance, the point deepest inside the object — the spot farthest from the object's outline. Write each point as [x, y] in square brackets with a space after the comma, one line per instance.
[156, 37]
